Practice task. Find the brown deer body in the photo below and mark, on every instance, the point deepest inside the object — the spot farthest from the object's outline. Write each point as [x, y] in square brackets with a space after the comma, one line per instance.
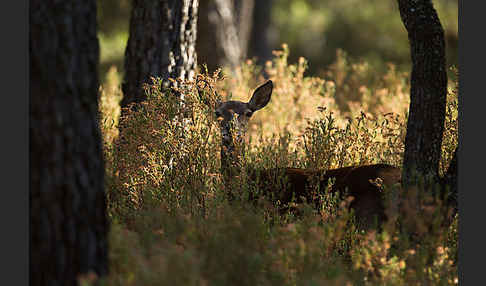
[359, 182]
[355, 181]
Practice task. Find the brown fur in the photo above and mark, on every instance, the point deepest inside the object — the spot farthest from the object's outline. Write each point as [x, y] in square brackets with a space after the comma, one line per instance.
[355, 181]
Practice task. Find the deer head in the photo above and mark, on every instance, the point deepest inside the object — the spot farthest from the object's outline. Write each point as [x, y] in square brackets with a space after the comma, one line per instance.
[239, 112]
[234, 115]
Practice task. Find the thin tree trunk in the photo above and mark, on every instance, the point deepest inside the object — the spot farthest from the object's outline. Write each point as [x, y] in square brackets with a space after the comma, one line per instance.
[232, 22]
[244, 10]
[161, 44]
[207, 51]
[259, 45]
[68, 223]
[428, 91]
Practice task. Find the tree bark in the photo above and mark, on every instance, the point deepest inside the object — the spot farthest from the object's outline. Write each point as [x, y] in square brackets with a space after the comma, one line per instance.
[207, 52]
[161, 44]
[68, 223]
[244, 12]
[428, 91]
[260, 45]
[232, 22]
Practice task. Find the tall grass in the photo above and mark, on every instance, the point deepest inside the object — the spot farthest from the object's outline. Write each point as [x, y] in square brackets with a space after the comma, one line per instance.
[171, 224]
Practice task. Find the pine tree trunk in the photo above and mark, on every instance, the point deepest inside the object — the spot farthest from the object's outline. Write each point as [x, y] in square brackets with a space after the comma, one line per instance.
[68, 223]
[161, 44]
[244, 12]
[207, 54]
[428, 91]
[260, 44]
[232, 22]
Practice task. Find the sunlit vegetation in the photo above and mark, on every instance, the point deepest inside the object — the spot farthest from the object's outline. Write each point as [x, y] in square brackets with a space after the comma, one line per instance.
[170, 221]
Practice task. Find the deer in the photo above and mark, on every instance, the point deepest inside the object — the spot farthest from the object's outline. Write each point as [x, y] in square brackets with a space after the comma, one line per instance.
[355, 181]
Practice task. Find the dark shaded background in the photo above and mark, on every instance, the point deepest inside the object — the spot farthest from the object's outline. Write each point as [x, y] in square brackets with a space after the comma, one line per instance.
[314, 29]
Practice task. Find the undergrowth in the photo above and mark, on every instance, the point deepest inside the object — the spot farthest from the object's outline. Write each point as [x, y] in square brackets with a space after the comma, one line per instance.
[171, 224]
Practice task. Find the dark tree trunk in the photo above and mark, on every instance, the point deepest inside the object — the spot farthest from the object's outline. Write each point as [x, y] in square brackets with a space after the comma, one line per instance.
[428, 91]
[244, 12]
[260, 45]
[232, 22]
[68, 223]
[208, 53]
[161, 44]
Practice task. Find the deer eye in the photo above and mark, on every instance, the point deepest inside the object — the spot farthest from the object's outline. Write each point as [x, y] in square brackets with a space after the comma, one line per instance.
[217, 113]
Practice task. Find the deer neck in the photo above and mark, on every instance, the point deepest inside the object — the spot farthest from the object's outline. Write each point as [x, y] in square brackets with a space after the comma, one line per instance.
[230, 139]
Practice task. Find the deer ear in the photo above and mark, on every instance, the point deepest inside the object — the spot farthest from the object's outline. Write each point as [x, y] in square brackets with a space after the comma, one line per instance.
[261, 96]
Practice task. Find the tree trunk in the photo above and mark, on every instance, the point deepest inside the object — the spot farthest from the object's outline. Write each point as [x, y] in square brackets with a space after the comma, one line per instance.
[207, 52]
[260, 46]
[244, 12]
[428, 91]
[232, 22]
[68, 223]
[161, 44]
